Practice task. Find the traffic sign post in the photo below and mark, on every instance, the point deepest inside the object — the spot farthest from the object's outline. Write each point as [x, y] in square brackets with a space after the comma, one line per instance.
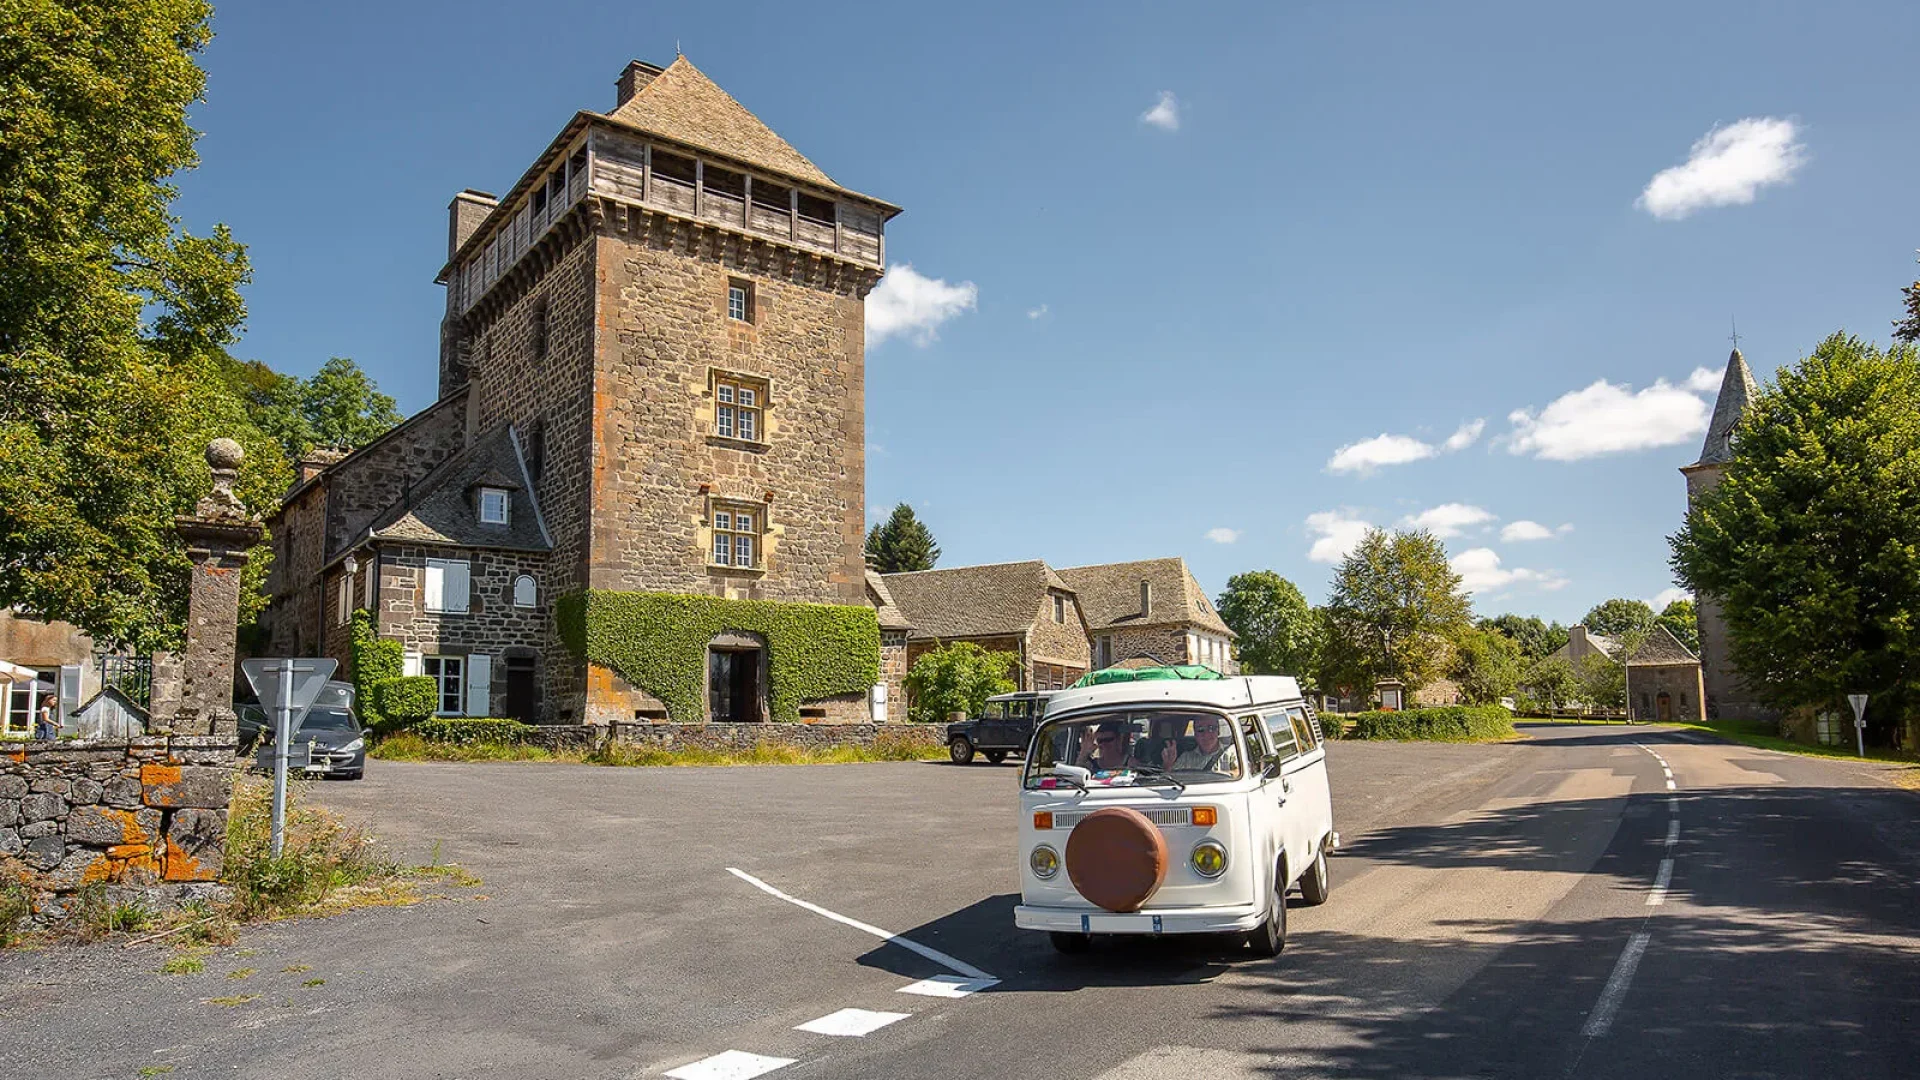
[1859, 703]
[287, 688]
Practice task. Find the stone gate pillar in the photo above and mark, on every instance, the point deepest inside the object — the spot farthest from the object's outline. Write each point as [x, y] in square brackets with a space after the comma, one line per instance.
[217, 535]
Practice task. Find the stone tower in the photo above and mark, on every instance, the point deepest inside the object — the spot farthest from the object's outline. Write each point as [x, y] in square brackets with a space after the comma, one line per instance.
[1726, 695]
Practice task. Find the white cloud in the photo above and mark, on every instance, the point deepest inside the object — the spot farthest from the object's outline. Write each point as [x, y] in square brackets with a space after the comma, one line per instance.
[1667, 596]
[1336, 533]
[1728, 167]
[1518, 531]
[1481, 573]
[1369, 454]
[1223, 535]
[1704, 381]
[911, 304]
[1034, 313]
[1165, 113]
[1467, 435]
[1608, 419]
[1447, 519]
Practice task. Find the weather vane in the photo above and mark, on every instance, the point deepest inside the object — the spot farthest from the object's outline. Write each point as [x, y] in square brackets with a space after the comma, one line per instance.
[1736, 331]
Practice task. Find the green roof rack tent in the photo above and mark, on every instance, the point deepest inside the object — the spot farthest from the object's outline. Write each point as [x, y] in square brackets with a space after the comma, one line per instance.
[1147, 674]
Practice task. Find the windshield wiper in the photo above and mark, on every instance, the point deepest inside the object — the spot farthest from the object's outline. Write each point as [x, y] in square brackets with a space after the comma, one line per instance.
[1154, 770]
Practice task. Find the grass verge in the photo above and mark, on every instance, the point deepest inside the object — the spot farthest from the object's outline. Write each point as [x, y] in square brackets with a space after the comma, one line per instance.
[1765, 736]
[405, 746]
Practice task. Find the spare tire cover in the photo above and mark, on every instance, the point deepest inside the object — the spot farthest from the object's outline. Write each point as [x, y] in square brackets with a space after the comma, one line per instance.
[1116, 858]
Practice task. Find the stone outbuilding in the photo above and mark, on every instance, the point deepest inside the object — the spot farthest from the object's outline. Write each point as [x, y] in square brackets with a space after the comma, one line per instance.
[895, 629]
[1021, 608]
[1153, 609]
[1664, 680]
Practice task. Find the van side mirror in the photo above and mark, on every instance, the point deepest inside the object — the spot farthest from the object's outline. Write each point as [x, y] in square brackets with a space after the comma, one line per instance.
[1273, 769]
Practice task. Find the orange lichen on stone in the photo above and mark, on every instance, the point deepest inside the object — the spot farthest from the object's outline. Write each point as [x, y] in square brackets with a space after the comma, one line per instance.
[100, 869]
[180, 866]
[18, 755]
[159, 775]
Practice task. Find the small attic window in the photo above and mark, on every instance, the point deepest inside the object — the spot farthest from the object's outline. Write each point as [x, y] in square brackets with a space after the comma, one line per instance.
[816, 209]
[493, 506]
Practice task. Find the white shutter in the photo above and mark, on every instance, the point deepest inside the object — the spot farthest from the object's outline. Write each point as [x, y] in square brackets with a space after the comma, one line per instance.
[457, 587]
[479, 682]
[411, 664]
[69, 692]
[436, 580]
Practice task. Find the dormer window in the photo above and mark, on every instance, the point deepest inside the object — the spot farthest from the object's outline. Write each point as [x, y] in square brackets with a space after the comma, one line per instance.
[493, 506]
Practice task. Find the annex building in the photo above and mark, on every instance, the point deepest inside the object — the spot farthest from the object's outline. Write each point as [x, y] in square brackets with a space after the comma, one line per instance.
[641, 491]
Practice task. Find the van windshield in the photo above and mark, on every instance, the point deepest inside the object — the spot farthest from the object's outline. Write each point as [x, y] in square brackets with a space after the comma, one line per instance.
[1127, 747]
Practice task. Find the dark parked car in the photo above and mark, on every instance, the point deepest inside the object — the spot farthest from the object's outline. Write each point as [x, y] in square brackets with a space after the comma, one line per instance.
[330, 741]
[1004, 727]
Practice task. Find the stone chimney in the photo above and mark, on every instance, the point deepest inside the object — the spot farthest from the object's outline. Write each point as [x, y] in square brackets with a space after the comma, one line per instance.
[633, 80]
[464, 215]
[315, 462]
[1146, 598]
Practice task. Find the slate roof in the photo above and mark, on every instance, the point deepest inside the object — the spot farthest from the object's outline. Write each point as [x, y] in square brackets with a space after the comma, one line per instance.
[684, 105]
[1736, 392]
[973, 601]
[882, 600]
[1661, 647]
[1110, 595]
[443, 508]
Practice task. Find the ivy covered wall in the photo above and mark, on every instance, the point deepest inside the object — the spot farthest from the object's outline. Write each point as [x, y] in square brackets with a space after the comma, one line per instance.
[658, 642]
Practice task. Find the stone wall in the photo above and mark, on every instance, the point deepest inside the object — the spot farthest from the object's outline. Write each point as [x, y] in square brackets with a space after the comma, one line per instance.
[1062, 643]
[893, 672]
[1167, 644]
[810, 736]
[145, 818]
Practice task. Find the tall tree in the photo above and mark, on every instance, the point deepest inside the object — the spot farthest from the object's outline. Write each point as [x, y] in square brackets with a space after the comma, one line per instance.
[1278, 634]
[342, 406]
[1486, 665]
[1534, 637]
[1682, 622]
[1395, 601]
[1619, 616]
[1811, 540]
[112, 319]
[900, 543]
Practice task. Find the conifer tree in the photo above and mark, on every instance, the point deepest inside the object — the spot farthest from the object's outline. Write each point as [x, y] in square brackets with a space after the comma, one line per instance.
[901, 543]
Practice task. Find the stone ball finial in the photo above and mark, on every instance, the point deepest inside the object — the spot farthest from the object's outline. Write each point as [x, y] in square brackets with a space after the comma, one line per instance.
[225, 454]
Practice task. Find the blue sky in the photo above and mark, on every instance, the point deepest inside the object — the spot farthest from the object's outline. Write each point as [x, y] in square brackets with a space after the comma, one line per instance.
[1127, 329]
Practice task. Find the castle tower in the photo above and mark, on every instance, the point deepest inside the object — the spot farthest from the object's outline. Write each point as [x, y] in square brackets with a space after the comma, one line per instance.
[1726, 695]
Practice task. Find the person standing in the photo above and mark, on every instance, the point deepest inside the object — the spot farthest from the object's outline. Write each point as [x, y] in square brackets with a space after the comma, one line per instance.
[46, 727]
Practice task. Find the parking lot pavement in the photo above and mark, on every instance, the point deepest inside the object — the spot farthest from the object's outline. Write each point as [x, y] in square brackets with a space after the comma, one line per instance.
[1479, 915]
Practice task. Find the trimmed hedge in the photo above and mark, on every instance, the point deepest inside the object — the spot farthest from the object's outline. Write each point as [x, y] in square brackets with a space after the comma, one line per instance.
[375, 661]
[465, 731]
[1446, 723]
[408, 698]
[658, 642]
[1331, 727]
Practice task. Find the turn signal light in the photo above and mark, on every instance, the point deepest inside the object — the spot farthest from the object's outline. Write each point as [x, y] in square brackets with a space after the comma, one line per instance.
[1206, 815]
[1043, 819]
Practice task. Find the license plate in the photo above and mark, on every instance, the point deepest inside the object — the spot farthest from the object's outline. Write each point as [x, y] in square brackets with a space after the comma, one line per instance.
[1119, 924]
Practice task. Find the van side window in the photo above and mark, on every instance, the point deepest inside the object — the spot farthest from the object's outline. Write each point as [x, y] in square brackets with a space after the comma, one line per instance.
[1285, 746]
[1257, 756]
[1302, 729]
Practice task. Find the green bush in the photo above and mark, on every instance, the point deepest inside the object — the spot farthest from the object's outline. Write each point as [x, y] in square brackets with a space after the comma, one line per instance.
[658, 642]
[408, 698]
[1447, 723]
[375, 660]
[958, 678]
[1331, 727]
[464, 731]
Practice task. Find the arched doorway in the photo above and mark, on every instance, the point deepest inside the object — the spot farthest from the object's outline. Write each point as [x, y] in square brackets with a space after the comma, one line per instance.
[736, 679]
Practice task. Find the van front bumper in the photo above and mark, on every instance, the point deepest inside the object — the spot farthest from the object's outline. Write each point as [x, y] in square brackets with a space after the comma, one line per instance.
[1206, 920]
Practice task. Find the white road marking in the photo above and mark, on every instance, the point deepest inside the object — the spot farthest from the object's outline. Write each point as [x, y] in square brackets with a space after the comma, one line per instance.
[731, 1065]
[1673, 803]
[1616, 990]
[1670, 786]
[1673, 832]
[972, 973]
[851, 1023]
[947, 986]
[1660, 882]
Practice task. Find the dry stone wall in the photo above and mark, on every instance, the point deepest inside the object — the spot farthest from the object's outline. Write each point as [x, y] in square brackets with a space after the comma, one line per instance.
[145, 819]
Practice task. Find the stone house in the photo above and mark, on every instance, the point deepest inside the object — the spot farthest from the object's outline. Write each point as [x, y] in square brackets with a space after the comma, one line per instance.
[1581, 644]
[1020, 608]
[1664, 680]
[894, 631]
[652, 364]
[1152, 608]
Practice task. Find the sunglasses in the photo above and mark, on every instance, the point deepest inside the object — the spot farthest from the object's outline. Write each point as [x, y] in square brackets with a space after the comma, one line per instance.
[1206, 729]
[1106, 740]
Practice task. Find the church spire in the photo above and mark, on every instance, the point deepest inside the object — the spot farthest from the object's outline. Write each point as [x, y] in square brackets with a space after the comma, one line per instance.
[1736, 391]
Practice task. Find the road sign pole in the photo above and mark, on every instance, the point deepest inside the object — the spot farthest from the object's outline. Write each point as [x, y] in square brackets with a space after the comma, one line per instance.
[1859, 703]
[283, 735]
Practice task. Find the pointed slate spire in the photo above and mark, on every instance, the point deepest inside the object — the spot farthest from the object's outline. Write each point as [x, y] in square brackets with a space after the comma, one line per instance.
[1736, 390]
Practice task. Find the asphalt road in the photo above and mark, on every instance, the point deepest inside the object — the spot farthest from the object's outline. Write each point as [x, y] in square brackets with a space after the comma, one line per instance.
[1547, 908]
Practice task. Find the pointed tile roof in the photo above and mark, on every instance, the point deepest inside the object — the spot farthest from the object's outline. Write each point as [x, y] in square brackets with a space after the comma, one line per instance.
[1736, 391]
[1661, 647]
[442, 509]
[1110, 595]
[682, 104]
[882, 601]
[973, 601]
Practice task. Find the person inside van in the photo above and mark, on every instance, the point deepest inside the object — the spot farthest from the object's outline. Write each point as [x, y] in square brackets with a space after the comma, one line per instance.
[1210, 753]
[1110, 747]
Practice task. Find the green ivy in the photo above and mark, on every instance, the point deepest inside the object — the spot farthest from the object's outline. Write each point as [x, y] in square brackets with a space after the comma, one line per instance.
[409, 697]
[466, 731]
[375, 660]
[658, 642]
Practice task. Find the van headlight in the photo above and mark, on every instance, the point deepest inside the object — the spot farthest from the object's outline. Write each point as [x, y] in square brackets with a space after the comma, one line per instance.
[1209, 858]
[1044, 862]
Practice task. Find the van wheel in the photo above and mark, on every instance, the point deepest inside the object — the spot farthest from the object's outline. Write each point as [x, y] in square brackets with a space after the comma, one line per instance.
[1271, 936]
[960, 750]
[995, 757]
[1314, 884]
[1070, 943]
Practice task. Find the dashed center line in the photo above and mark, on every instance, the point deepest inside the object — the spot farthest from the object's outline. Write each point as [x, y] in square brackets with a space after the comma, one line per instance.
[1673, 831]
[1660, 882]
[1616, 988]
[730, 1065]
[850, 1023]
